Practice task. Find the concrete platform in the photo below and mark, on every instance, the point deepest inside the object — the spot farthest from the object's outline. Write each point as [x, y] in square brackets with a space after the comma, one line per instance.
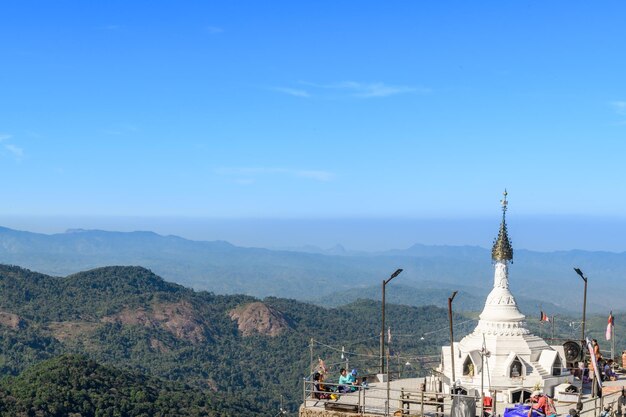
[405, 396]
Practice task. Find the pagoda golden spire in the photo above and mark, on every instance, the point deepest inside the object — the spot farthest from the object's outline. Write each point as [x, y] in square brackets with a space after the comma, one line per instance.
[502, 250]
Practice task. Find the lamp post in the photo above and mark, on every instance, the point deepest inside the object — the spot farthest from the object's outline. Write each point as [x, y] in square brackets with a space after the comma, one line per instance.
[582, 338]
[382, 330]
[451, 337]
[483, 352]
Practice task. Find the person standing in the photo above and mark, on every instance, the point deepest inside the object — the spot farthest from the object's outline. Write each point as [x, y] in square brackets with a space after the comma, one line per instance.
[596, 350]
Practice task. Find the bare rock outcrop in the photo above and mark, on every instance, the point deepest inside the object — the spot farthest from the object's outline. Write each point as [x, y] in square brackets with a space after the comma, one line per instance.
[11, 320]
[259, 318]
[180, 319]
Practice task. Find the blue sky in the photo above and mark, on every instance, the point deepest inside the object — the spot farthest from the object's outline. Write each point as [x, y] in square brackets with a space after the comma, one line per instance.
[394, 110]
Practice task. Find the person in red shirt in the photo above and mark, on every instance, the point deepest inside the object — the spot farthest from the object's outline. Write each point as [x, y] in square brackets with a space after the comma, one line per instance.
[542, 404]
[539, 402]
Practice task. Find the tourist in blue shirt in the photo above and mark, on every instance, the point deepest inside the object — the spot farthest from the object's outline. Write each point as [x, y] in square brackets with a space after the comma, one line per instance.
[347, 381]
[344, 381]
[352, 377]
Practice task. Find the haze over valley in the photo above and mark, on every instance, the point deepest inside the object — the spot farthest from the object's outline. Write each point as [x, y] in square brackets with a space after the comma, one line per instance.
[325, 277]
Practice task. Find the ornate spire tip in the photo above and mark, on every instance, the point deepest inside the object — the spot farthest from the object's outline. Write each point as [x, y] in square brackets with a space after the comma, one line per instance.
[502, 249]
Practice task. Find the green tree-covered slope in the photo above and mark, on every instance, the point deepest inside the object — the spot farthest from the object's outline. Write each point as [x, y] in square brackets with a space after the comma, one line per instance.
[72, 385]
[130, 318]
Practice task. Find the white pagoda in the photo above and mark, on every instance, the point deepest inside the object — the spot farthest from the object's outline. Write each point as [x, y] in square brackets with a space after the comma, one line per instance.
[501, 354]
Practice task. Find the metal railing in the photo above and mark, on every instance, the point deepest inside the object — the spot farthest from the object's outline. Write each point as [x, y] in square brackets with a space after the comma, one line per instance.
[596, 405]
[379, 400]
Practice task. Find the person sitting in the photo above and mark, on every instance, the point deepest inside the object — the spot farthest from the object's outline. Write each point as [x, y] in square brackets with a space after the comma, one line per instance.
[345, 381]
[319, 389]
[352, 376]
[609, 375]
[354, 380]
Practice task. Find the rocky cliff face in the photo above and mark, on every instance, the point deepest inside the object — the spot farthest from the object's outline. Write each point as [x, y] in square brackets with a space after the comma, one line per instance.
[259, 318]
[180, 319]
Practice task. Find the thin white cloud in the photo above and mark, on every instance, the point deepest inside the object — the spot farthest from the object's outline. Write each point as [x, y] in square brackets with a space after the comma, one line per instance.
[382, 90]
[292, 91]
[619, 107]
[351, 89]
[370, 90]
[247, 174]
[15, 150]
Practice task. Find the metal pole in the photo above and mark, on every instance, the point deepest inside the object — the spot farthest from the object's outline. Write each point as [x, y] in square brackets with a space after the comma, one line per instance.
[387, 382]
[582, 339]
[363, 407]
[382, 328]
[553, 317]
[584, 309]
[482, 380]
[451, 339]
[494, 403]
[311, 353]
[382, 334]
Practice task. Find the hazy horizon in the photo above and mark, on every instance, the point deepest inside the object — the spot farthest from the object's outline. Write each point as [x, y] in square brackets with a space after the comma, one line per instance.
[537, 233]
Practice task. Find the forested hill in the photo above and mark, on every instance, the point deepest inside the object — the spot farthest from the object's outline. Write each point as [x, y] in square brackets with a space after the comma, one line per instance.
[236, 350]
[227, 269]
[73, 385]
[232, 346]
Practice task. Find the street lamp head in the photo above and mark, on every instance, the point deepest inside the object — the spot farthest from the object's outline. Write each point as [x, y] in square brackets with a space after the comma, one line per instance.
[453, 295]
[579, 272]
[395, 274]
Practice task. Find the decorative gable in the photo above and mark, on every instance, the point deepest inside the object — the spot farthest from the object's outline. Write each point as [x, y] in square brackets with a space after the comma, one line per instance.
[515, 367]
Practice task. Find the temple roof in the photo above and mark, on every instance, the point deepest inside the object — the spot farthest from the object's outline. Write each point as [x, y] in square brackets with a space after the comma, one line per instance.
[502, 249]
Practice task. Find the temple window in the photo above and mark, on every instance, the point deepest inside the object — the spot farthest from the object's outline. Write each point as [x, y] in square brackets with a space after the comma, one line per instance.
[515, 371]
[468, 367]
[556, 366]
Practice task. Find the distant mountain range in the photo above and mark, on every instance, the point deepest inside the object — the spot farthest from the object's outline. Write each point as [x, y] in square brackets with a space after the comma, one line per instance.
[467, 299]
[538, 279]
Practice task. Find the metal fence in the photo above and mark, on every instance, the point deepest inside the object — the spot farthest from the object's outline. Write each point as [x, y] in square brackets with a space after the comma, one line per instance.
[382, 400]
[379, 400]
[594, 406]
